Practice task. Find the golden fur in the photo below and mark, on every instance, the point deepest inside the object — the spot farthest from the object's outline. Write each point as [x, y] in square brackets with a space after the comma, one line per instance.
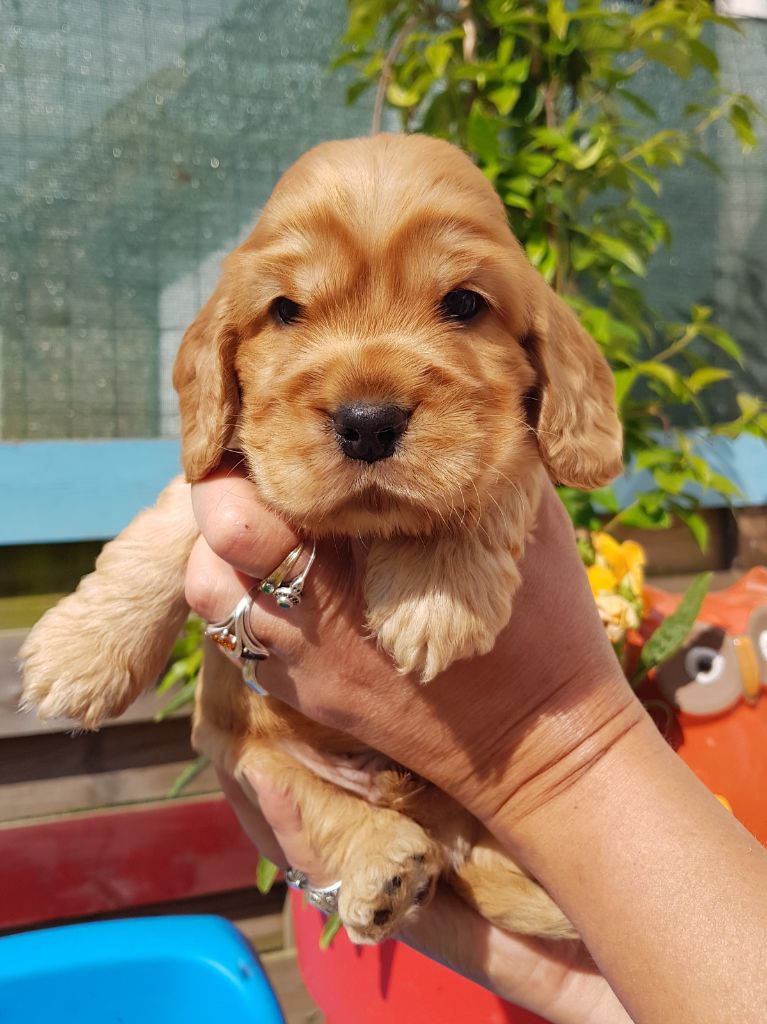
[367, 236]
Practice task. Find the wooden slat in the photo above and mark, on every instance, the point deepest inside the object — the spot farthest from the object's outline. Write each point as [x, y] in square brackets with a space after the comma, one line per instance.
[87, 864]
[101, 484]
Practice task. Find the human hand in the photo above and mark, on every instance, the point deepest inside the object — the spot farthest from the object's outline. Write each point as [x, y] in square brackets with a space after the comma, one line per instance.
[505, 730]
[556, 979]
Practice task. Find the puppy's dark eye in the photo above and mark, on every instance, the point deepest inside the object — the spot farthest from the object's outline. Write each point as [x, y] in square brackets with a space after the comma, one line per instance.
[287, 310]
[461, 304]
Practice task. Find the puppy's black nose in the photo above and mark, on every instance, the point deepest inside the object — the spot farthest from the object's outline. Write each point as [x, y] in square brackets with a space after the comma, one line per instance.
[369, 432]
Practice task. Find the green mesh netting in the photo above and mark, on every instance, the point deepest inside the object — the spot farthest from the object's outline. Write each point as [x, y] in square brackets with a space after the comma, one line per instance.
[137, 142]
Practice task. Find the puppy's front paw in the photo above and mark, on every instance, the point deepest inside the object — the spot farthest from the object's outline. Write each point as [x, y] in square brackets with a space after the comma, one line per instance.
[387, 880]
[427, 633]
[68, 670]
[431, 605]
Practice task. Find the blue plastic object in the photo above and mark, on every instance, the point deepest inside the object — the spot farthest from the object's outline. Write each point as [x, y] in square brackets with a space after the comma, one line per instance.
[159, 970]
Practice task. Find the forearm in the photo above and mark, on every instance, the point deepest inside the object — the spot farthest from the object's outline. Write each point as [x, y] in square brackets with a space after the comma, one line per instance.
[668, 891]
[555, 980]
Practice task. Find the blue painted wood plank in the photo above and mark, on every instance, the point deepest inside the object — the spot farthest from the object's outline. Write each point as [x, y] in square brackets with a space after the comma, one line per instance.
[79, 490]
[742, 460]
[54, 491]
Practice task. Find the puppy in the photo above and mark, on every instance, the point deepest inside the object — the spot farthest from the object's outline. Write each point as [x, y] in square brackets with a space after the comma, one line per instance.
[390, 366]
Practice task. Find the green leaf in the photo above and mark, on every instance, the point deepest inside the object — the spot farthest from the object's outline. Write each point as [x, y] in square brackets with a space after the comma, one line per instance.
[624, 381]
[719, 337]
[399, 96]
[181, 699]
[607, 499]
[505, 97]
[741, 124]
[620, 250]
[703, 55]
[518, 202]
[536, 249]
[674, 55]
[637, 101]
[702, 378]
[537, 164]
[482, 134]
[696, 525]
[645, 517]
[437, 55]
[673, 631]
[266, 872]
[175, 674]
[557, 17]
[589, 156]
[723, 485]
[657, 456]
[749, 405]
[672, 482]
[356, 89]
[517, 71]
[330, 929]
[188, 775]
[522, 184]
[662, 372]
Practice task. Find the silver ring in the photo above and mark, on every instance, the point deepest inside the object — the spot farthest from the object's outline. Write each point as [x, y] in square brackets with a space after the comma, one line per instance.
[324, 899]
[235, 637]
[234, 634]
[287, 593]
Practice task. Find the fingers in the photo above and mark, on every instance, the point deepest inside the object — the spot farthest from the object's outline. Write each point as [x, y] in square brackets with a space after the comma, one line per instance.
[272, 822]
[284, 816]
[213, 587]
[251, 818]
[237, 526]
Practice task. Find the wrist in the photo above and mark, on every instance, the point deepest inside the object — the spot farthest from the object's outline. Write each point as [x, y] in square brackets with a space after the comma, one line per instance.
[556, 749]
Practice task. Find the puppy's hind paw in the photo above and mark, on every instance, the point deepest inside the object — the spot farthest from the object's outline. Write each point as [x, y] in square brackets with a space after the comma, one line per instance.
[386, 886]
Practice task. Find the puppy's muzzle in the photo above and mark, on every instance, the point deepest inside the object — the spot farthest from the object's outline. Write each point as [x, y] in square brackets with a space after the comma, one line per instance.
[369, 432]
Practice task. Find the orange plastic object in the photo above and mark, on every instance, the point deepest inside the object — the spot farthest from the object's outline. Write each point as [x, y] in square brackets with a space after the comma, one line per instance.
[728, 751]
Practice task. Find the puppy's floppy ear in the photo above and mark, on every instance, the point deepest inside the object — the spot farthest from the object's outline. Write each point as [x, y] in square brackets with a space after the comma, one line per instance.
[574, 414]
[205, 380]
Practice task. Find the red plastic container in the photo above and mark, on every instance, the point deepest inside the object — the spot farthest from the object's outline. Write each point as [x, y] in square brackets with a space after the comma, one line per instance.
[390, 983]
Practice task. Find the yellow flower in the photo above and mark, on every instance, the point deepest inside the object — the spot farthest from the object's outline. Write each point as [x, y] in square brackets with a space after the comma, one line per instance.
[608, 547]
[626, 561]
[601, 580]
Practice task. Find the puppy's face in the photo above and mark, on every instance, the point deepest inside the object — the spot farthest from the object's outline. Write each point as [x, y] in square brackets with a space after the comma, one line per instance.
[380, 337]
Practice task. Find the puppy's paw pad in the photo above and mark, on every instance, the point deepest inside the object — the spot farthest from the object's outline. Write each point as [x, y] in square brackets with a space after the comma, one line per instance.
[373, 903]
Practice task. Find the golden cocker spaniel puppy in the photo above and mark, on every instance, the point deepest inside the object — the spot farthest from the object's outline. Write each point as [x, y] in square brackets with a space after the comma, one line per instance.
[390, 366]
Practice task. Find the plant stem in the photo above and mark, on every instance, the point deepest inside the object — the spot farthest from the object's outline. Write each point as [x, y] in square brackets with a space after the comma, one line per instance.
[385, 75]
[469, 32]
